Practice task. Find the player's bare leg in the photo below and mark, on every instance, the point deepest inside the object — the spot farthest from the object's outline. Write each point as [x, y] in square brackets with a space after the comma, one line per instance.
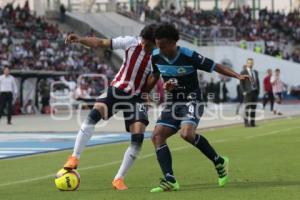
[85, 133]
[137, 130]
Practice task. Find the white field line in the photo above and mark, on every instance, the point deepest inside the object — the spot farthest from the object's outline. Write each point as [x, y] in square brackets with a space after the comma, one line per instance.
[141, 157]
[83, 169]
[273, 132]
[55, 152]
[26, 149]
[15, 152]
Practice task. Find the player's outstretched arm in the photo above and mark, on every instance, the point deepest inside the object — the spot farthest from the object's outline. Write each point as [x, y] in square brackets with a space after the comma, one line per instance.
[227, 71]
[92, 42]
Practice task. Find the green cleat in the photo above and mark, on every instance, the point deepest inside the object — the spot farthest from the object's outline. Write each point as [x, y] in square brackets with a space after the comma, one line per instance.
[222, 170]
[166, 186]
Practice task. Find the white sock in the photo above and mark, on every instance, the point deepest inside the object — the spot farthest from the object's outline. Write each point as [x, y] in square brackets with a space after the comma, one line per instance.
[129, 157]
[85, 133]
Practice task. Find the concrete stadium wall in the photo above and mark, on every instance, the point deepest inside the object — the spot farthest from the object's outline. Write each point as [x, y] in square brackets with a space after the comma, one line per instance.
[83, 27]
[109, 24]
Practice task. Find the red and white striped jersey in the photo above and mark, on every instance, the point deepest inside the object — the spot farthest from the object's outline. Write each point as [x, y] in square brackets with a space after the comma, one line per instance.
[277, 84]
[136, 65]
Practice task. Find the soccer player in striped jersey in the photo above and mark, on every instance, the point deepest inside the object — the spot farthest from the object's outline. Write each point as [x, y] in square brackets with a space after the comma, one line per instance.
[278, 87]
[124, 93]
[178, 67]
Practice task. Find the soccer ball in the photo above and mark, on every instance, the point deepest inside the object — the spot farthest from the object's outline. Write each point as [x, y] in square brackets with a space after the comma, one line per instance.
[67, 180]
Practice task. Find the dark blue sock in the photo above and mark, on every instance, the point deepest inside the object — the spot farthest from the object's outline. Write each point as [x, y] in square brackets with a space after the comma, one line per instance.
[165, 161]
[94, 117]
[203, 145]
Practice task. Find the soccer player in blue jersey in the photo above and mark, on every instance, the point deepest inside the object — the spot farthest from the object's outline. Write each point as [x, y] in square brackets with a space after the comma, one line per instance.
[178, 67]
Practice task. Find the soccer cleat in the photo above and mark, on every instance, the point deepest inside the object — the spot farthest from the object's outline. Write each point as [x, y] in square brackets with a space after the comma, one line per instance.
[72, 163]
[222, 170]
[119, 184]
[166, 186]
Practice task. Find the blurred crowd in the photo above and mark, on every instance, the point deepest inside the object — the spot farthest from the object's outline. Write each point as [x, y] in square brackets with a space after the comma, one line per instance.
[270, 26]
[276, 30]
[28, 42]
[31, 43]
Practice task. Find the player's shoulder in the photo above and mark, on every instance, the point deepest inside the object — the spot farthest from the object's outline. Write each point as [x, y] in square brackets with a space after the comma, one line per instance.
[186, 51]
[133, 41]
[126, 38]
[125, 42]
[156, 52]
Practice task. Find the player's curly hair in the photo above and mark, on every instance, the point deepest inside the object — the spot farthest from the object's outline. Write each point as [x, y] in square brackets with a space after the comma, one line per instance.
[167, 31]
[148, 32]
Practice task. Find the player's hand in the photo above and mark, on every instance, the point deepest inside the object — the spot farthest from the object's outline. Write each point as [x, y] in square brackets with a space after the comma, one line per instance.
[170, 85]
[72, 38]
[244, 77]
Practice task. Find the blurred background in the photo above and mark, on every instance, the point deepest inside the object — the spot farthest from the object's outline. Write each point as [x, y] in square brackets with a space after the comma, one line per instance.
[55, 79]
[229, 31]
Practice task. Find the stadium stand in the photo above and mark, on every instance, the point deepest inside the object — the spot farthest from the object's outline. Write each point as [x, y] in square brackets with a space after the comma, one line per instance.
[36, 44]
[34, 48]
[273, 33]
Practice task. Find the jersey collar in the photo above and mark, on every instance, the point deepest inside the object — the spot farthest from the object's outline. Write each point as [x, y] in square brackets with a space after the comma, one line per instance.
[174, 59]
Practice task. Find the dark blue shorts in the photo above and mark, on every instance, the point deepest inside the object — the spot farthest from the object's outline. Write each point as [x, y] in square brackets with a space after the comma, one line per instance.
[176, 114]
[133, 107]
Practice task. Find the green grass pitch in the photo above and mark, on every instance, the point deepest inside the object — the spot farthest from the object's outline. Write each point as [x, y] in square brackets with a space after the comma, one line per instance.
[264, 164]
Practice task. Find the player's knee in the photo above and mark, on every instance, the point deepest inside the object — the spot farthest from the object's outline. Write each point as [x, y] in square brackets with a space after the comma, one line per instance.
[137, 139]
[153, 138]
[137, 128]
[156, 139]
[187, 135]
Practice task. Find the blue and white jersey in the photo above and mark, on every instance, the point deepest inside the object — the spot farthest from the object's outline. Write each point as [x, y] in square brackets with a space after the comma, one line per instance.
[182, 70]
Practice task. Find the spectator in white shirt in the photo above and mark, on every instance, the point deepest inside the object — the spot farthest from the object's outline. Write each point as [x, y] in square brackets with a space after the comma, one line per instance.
[8, 91]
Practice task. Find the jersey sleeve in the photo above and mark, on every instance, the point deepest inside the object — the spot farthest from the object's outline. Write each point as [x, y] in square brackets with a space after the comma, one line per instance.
[202, 63]
[123, 42]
